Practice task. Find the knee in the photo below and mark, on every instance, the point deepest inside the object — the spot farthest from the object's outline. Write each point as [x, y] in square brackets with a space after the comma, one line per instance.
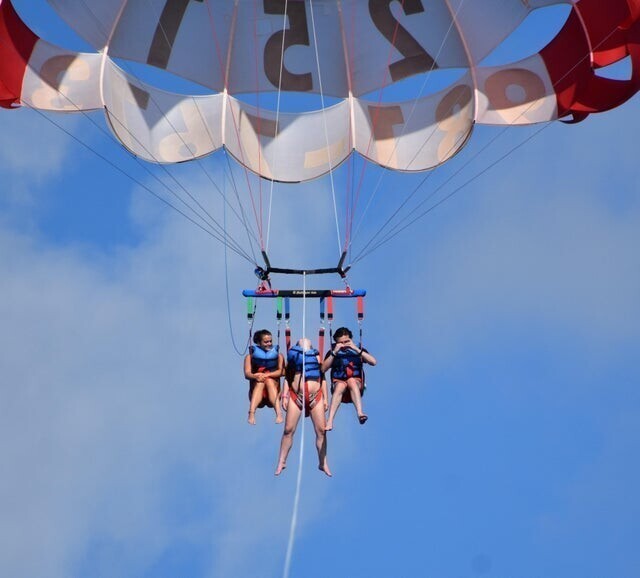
[339, 388]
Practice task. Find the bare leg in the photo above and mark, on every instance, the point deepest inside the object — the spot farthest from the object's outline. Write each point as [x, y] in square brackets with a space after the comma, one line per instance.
[336, 400]
[293, 416]
[273, 390]
[256, 398]
[354, 389]
[317, 417]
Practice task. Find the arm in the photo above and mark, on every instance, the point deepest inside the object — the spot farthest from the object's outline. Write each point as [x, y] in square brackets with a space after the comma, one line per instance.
[367, 357]
[328, 361]
[247, 368]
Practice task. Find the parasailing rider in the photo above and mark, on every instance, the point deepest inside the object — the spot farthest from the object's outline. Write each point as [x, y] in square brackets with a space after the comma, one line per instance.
[346, 361]
[307, 394]
[263, 367]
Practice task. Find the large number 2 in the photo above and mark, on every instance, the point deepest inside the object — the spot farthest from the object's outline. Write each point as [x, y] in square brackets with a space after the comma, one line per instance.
[297, 33]
[416, 59]
[166, 32]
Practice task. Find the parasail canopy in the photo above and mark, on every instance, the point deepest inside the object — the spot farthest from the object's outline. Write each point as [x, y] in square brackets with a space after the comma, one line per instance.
[344, 49]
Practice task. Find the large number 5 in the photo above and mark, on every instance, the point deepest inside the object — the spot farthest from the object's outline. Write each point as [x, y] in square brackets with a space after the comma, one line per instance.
[166, 32]
[297, 33]
[416, 59]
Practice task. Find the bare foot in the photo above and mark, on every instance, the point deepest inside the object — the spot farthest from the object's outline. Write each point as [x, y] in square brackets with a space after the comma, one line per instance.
[279, 418]
[363, 418]
[325, 469]
[328, 427]
[280, 467]
[252, 418]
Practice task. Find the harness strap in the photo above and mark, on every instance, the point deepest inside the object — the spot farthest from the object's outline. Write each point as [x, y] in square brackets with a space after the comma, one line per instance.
[321, 331]
[287, 317]
[321, 341]
[307, 401]
[251, 310]
[278, 318]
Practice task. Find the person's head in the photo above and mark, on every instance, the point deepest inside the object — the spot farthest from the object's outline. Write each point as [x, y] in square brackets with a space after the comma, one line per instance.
[305, 344]
[263, 338]
[342, 335]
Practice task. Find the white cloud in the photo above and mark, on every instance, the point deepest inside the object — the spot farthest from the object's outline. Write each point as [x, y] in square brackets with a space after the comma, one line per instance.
[22, 156]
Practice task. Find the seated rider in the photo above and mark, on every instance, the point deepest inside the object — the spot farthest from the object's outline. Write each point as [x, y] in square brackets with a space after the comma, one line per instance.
[263, 367]
[347, 376]
[308, 394]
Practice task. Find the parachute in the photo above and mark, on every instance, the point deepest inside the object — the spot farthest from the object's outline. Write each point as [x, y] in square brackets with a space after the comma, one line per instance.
[342, 50]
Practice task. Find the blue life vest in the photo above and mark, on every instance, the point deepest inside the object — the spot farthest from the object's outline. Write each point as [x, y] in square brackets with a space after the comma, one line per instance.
[346, 363]
[311, 365]
[262, 360]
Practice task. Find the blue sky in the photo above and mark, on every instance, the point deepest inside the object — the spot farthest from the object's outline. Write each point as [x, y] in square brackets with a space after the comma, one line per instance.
[504, 412]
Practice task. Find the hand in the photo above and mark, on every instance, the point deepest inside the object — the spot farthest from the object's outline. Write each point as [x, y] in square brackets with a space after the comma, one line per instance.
[346, 345]
[339, 347]
[260, 377]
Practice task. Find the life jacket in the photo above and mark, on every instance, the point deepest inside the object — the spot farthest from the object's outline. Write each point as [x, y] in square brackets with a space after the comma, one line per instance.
[346, 363]
[263, 361]
[311, 365]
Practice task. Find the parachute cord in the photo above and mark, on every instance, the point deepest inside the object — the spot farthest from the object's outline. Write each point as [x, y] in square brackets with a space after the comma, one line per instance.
[326, 131]
[385, 171]
[225, 73]
[284, 33]
[259, 127]
[243, 220]
[301, 383]
[217, 44]
[210, 220]
[213, 221]
[374, 120]
[242, 217]
[176, 132]
[269, 212]
[226, 285]
[205, 228]
[213, 228]
[396, 231]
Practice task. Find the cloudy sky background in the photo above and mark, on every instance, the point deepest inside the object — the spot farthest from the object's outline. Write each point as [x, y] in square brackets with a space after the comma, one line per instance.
[504, 413]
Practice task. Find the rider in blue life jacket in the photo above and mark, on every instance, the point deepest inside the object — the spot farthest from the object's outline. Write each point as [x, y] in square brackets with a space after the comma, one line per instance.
[346, 359]
[306, 394]
[263, 367]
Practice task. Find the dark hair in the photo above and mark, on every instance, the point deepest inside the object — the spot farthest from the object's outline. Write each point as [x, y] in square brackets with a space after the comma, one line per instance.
[342, 331]
[258, 335]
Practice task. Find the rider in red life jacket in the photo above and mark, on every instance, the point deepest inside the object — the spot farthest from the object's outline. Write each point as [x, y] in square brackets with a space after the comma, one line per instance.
[263, 367]
[346, 359]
